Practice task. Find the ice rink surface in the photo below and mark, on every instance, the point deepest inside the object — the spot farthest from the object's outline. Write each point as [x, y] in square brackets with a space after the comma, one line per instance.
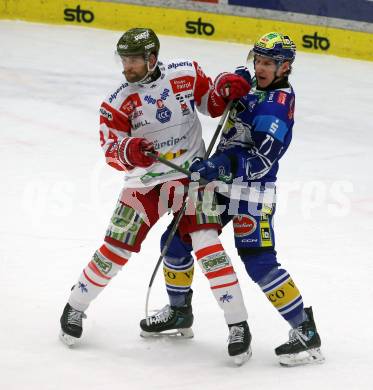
[57, 196]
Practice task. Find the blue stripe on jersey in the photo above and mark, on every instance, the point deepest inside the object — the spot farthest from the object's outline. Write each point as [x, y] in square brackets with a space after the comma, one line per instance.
[272, 125]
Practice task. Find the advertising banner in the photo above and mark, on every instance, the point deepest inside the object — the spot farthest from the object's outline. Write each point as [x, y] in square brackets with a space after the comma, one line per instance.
[207, 1]
[359, 10]
[119, 16]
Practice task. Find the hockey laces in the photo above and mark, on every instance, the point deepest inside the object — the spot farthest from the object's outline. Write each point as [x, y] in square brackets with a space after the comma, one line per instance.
[162, 315]
[236, 334]
[297, 335]
[74, 317]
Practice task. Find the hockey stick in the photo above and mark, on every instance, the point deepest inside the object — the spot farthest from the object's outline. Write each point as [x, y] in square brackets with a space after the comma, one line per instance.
[176, 221]
[175, 167]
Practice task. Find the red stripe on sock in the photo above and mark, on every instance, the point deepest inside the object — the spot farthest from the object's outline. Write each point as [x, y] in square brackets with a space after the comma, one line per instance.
[92, 266]
[221, 272]
[209, 250]
[112, 256]
[224, 285]
[91, 281]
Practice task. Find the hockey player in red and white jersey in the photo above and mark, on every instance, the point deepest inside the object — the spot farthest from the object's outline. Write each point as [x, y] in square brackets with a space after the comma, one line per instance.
[155, 110]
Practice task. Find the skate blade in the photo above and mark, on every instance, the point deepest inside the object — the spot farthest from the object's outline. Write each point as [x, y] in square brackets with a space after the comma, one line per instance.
[241, 359]
[67, 339]
[186, 333]
[312, 356]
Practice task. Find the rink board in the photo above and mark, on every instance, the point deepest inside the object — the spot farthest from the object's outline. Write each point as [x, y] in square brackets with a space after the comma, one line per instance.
[187, 23]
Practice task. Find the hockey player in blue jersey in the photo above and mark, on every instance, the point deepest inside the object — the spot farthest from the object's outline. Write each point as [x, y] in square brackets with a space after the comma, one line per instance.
[257, 134]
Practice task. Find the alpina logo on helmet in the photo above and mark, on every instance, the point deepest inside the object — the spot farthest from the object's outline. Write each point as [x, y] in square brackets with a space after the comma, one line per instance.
[138, 41]
[143, 35]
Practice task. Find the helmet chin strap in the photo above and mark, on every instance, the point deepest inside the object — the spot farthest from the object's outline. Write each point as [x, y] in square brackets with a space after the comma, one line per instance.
[277, 78]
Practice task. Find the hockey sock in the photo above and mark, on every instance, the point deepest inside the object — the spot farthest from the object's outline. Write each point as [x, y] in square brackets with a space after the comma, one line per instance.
[105, 264]
[217, 267]
[284, 295]
[178, 275]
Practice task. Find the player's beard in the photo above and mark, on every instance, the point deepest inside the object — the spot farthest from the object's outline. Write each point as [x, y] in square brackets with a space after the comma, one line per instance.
[133, 77]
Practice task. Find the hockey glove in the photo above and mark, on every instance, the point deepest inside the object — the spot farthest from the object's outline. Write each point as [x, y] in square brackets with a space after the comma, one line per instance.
[217, 167]
[244, 73]
[231, 86]
[132, 150]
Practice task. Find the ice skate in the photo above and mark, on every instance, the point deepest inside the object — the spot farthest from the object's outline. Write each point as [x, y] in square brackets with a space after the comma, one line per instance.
[170, 321]
[239, 343]
[303, 346]
[71, 325]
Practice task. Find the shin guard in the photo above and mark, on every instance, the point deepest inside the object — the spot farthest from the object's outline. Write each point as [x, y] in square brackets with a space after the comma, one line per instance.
[282, 292]
[217, 267]
[178, 275]
[105, 264]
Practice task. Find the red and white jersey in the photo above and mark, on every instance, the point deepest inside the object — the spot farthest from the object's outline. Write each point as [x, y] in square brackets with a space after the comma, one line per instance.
[163, 112]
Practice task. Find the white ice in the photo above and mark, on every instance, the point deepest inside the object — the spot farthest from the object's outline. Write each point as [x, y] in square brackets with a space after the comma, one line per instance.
[57, 196]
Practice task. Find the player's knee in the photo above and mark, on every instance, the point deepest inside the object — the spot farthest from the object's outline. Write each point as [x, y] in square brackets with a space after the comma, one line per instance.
[177, 247]
[204, 238]
[259, 265]
[108, 260]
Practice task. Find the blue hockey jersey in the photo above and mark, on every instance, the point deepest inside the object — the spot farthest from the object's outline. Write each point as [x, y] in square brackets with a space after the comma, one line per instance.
[258, 132]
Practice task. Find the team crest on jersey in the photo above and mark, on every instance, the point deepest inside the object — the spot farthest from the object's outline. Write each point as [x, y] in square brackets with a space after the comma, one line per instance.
[163, 114]
[131, 104]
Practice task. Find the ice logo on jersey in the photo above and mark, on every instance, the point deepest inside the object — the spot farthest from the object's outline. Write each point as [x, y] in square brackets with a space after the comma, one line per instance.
[163, 115]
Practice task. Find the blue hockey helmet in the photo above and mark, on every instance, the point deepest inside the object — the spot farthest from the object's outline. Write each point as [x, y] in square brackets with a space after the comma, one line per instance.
[276, 46]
